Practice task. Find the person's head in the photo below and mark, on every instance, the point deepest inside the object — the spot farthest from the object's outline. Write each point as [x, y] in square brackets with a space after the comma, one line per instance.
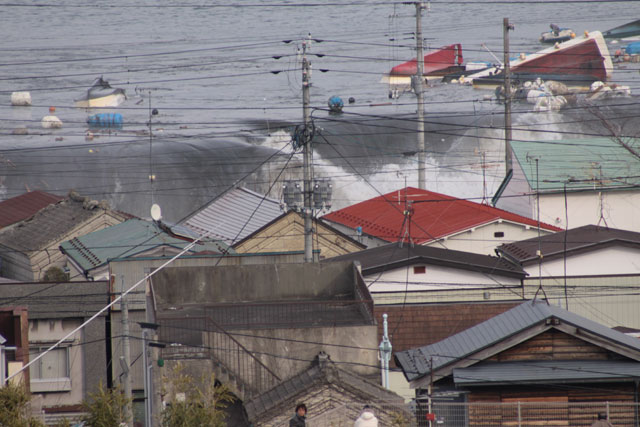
[301, 409]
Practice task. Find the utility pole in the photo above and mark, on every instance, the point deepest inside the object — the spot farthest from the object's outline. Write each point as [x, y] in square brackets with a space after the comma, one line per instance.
[307, 136]
[126, 357]
[507, 97]
[418, 87]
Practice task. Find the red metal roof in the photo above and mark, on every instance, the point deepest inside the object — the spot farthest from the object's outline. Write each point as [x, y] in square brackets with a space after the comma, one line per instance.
[433, 216]
[25, 206]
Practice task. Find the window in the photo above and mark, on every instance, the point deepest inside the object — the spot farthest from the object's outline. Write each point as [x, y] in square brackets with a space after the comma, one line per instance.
[420, 269]
[54, 364]
[498, 234]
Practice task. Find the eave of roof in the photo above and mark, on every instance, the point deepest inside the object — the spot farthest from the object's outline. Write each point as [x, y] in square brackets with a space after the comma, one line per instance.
[578, 240]
[390, 256]
[433, 216]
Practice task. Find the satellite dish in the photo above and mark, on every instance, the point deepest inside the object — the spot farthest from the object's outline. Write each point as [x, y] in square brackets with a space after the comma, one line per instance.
[156, 212]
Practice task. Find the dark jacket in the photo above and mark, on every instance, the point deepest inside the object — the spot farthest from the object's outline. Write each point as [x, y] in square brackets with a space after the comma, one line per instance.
[297, 421]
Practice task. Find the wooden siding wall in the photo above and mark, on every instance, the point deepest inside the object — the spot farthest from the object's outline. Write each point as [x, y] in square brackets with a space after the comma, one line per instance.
[555, 345]
[558, 405]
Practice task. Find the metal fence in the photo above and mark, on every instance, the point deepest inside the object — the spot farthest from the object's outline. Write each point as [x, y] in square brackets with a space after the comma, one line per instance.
[512, 414]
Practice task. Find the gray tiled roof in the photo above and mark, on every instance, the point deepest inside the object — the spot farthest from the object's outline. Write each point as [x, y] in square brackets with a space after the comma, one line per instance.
[415, 362]
[319, 371]
[577, 239]
[388, 256]
[234, 215]
[543, 371]
[50, 225]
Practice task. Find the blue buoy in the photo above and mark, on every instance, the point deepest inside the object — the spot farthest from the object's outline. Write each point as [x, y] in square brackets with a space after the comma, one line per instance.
[335, 104]
[105, 120]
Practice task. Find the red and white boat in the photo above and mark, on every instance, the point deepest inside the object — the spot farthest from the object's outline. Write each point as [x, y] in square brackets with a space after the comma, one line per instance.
[438, 63]
[576, 63]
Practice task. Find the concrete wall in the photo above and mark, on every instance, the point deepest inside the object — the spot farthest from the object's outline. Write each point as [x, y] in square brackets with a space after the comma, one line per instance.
[287, 352]
[132, 270]
[178, 286]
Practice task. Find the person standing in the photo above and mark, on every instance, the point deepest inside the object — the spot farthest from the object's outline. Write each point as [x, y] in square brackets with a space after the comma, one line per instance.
[299, 419]
[367, 418]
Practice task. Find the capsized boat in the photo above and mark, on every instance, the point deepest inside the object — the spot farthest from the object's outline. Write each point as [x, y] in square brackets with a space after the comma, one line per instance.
[439, 63]
[557, 35]
[630, 29]
[577, 63]
[101, 94]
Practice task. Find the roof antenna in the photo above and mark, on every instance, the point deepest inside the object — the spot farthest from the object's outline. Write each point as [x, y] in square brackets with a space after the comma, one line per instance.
[539, 252]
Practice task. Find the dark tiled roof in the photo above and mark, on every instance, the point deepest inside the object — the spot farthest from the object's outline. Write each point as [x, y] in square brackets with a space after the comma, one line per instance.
[391, 256]
[49, 225]
[434, 215]
[577, 239]
[319, 372]
[24, 206]
[415, 363]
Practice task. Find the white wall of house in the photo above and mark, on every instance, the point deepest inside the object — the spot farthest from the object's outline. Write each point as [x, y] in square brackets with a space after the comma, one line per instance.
[57, 376]
[614, 260]
[485, 238]
[618, 209]
[435, 277]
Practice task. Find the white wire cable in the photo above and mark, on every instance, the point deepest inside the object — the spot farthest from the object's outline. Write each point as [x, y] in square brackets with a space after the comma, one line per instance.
[105, 308]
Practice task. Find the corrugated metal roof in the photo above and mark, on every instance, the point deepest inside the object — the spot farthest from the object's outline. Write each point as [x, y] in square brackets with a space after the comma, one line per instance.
[25, 206]
[579, 163]
[415, 363]
[127, 239]
[577, 239]
[234, 215]
[434, 215]
[545, 371]
[390, 256]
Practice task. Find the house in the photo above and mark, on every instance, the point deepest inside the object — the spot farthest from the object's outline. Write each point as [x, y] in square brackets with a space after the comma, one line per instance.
[592, 270]
[256, 326]
[286, 232]
[406, 274]
[534, 364]
[234, 215]
[66, 374]
[14, 341]
[29, 248]
[588, 181]
[417, 325]
[331, 394]
[430, 293]
[433, 219]
[24, 206]
[89, 255]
